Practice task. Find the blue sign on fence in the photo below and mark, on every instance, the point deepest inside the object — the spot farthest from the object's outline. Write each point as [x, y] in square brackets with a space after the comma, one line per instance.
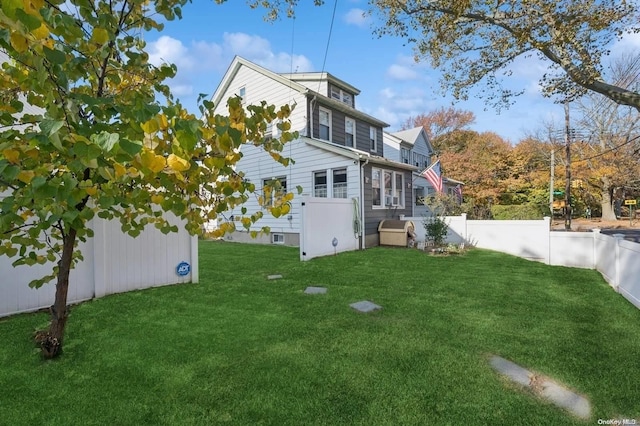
[183, 269]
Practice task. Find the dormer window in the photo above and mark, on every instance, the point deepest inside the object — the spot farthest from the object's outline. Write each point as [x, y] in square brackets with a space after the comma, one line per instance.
[342, 96]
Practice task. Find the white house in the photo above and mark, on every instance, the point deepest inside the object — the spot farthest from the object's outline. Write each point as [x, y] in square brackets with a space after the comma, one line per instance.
[339, 153]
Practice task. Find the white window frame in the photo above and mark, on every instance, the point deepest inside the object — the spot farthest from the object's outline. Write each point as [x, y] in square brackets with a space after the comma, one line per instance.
[353, 142]
[277, 238]
[373, 139]
[321, 192]
[340, 95]
[340, 189]
[283, 182]
[391, 196]
[328, 112]
[242, 92]
[405, 155]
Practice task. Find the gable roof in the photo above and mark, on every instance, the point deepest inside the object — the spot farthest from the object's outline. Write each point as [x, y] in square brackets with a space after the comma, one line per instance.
[289, 80]
[356, 154]
[410, 136]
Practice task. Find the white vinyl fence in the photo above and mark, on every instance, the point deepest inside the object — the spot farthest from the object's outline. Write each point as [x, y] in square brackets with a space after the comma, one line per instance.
[325, 222]
[616, 259]
[113, 263]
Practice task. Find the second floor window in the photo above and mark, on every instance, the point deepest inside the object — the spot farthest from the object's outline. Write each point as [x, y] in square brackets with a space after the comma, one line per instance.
[324, 131]
[404, 155]
[373, 139]
[349, 132]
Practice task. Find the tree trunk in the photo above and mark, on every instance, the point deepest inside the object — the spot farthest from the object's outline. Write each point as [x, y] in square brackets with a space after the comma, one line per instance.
[607, 200]
[51, 343]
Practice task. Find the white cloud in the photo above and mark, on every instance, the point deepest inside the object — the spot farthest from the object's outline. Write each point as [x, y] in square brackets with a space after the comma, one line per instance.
[201, 63]
[400, 72]
[169, 50]
[357, 17]
[395, 106]
[181, 89]
[258, 50]
[630, 42]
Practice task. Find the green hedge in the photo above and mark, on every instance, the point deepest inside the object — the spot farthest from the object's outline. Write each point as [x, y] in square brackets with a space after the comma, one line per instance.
[516, 212]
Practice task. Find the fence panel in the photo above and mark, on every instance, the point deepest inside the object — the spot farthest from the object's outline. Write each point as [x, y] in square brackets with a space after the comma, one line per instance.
[322, 221]
[113, 262]
[575, 249]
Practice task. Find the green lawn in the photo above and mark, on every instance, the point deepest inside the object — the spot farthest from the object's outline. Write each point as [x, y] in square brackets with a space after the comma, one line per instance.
[239, 349]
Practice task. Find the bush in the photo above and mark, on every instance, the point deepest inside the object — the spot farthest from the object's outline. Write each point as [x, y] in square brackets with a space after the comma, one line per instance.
[516, 212]
[436, 228]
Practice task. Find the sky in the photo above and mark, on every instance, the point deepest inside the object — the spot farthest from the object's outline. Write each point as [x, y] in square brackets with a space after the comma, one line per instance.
[393, 87]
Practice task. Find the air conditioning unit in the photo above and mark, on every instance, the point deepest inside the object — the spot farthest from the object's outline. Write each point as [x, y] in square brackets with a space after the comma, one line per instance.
[395, 201]
[387, 200]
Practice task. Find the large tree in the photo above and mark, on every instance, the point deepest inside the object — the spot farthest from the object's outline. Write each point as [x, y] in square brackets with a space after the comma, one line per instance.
[440, 123]
[610, 156]
[87, 127]
[474, 41]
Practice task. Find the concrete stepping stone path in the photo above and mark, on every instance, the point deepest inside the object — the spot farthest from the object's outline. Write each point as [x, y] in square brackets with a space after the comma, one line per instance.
[365, 306]
[315, 290]
[544, 387]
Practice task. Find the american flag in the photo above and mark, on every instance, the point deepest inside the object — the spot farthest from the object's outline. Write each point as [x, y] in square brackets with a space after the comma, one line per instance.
[458, 192]
[434, 175]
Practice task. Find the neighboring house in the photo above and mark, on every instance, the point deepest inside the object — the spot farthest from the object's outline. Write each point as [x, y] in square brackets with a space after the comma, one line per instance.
[339, 152]
[412, 146]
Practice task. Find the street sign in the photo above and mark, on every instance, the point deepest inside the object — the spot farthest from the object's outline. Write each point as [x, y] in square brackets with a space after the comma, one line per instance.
[629, 202]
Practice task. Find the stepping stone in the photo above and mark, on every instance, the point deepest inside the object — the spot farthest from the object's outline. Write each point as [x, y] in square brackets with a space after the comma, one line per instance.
[511, 370]
[365, 306]
[558, 394]
[566, 399]
[315, 290]
[274, 277]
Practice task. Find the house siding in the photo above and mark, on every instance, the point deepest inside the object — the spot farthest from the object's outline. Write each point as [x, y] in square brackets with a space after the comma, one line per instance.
[257, 166]
[374, 216]
[362, 138]
[262, 88]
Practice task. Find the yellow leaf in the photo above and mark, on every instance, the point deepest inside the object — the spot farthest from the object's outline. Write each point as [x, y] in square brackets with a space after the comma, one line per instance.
[41, 32]
[163, 123]
[285, 209]
[100, 36]
[11, 155]
[155, 163]
[157, 198]
[120, 170]
[150, 126]
[26, 176]
[19, 42]
[178, 164]
[91, 190]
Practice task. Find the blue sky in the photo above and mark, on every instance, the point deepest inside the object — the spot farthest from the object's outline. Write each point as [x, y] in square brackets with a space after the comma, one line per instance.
[393, 87]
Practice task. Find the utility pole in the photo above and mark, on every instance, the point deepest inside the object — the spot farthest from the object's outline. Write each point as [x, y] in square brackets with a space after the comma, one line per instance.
[551, 182]
[567, 188]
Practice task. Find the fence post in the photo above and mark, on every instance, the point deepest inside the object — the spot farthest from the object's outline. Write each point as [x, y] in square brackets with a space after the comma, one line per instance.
[596, 234]
[547, 222]
[464, 228]
[616, 284]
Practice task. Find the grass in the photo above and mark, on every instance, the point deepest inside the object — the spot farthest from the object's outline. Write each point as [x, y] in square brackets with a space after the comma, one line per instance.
[238, 349]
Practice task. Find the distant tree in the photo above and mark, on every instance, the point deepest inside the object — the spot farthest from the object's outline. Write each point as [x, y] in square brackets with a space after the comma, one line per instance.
[610, 157]
[82, 133]
[474, 41]
[440, 123]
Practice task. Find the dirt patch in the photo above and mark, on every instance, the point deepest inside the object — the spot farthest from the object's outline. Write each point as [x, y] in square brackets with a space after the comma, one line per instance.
[582, 224]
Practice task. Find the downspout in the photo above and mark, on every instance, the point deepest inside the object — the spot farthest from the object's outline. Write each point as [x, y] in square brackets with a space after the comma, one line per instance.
[311, 107]
[362, 220]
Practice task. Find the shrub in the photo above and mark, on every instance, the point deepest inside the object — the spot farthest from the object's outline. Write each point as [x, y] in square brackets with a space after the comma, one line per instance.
[436, 229]
[516, 212]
